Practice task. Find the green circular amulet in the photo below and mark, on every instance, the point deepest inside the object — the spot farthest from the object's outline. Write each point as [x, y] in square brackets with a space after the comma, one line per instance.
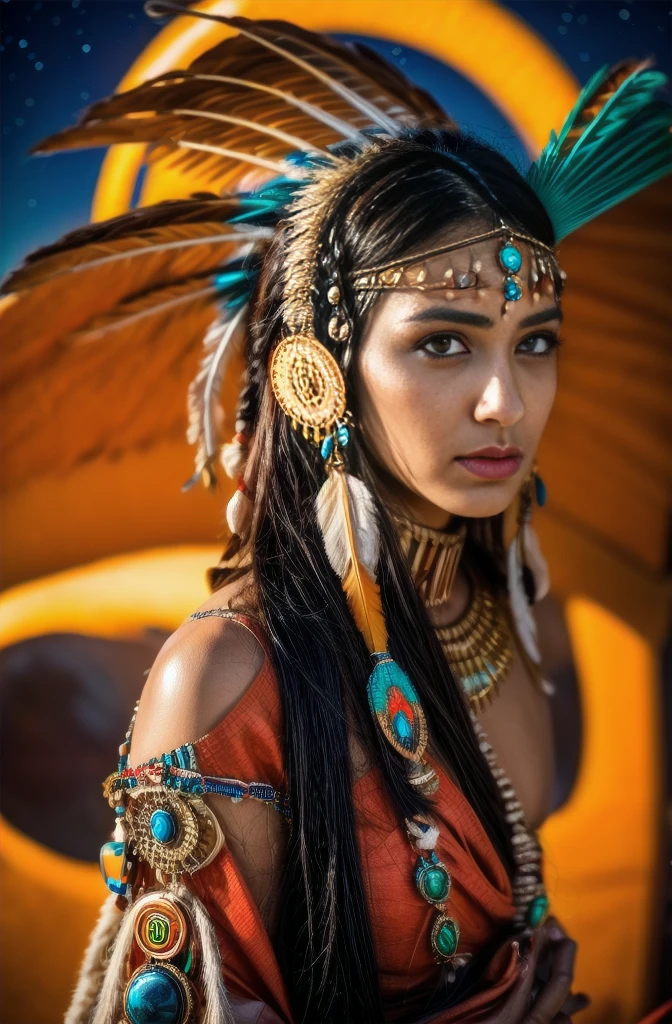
[445, 937]
[434, 884]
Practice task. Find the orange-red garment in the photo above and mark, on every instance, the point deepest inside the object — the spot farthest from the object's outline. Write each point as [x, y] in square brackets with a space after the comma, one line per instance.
[246, 744]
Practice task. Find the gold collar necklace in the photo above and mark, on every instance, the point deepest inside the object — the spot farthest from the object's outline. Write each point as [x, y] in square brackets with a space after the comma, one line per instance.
[479, 646]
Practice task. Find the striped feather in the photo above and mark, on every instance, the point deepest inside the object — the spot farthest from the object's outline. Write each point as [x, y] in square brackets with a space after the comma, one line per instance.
[616, 140]
[346, 515]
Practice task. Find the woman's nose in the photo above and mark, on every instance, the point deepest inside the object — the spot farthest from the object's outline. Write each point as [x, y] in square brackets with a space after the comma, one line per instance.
[500, 400]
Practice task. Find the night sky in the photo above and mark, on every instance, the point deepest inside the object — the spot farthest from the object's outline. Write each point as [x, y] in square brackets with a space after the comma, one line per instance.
[57, 56]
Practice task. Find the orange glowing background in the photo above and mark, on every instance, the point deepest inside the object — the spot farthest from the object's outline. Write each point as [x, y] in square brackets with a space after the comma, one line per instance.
[111, 546]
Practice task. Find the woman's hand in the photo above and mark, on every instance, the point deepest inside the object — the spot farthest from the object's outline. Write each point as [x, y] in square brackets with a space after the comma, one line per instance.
[542, 994]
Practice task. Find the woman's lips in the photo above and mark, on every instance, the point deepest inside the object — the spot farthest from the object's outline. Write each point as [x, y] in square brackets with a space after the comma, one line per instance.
[491, 468]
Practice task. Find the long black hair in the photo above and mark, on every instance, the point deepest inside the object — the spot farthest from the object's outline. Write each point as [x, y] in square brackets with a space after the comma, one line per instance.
[427, 182]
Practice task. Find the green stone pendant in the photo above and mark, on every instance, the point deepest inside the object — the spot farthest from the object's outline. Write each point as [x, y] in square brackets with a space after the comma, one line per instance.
[537, 912]
[432, 879]
[445, 937]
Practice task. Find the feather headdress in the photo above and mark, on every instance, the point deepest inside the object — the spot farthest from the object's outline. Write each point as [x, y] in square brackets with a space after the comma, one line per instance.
[276, 119]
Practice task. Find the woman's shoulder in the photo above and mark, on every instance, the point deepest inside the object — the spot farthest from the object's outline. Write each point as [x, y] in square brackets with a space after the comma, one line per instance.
[200, 674]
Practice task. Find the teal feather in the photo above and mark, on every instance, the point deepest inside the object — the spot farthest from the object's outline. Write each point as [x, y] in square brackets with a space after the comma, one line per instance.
[616, 140]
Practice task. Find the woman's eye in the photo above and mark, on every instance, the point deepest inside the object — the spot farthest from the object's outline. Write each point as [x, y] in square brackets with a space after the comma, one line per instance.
[444, 345]
[538, 344]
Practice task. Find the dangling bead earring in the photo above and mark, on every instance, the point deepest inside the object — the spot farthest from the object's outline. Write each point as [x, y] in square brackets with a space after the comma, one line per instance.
[539, 487]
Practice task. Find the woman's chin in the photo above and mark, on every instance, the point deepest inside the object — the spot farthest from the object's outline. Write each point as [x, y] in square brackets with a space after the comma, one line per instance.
[479, 503]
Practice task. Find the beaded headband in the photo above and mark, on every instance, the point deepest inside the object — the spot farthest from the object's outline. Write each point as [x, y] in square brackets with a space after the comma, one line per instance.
[426, 272]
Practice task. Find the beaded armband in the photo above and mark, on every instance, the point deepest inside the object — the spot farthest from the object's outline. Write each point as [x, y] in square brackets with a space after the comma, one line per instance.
[162, 818]
[167, 947]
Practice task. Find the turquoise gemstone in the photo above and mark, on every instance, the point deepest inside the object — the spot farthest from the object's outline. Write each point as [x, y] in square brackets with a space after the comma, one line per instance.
[403, 729]
[386, 674]
[435, 884]
[537, 911]
[113, 867]
[512, 290]
[327, 447]
[155, 996]
[446, 938]
[163, 826]
[342, 436]
[510, 258]
[539, 490]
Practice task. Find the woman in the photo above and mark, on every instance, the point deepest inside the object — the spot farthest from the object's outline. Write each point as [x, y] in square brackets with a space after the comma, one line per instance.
[326, 806]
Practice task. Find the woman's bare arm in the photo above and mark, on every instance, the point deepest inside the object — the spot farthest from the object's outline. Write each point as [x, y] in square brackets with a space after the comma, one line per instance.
[200, 674]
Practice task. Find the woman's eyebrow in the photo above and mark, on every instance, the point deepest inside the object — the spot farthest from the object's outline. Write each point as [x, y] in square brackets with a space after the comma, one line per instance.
[542, 317]
[461, 316]
[453, 316]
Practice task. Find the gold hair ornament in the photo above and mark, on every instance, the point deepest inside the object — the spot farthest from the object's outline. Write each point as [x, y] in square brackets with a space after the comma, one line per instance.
[424, 272]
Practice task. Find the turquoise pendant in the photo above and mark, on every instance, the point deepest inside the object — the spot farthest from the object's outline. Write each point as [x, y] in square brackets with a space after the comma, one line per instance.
[445, 937]
[163, 826]
[114, 867]
[432, 879]
[511, 261]
[395, 704]
[539, 490]
[158, 994]
[537, 912]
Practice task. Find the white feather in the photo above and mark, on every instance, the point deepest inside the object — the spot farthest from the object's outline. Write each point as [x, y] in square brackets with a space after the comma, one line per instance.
[330, 514]
[94, 963]
[425, 839]
[520, 608]
[108, 1007]
[216, 1008]
[536, 562]
[203, 395]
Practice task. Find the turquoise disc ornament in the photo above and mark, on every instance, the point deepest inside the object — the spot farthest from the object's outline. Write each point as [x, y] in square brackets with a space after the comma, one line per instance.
[432, 879]
[512, 289]
[445, 937]
[163, 826]
[510, 258]
[158, 994]
[395, 704]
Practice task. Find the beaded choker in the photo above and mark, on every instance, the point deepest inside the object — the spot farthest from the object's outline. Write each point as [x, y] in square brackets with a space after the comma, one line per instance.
[479, 646]
[432, 556]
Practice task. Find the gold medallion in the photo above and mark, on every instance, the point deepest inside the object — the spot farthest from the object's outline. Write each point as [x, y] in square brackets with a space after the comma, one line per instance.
[308, 384]
[170, 831]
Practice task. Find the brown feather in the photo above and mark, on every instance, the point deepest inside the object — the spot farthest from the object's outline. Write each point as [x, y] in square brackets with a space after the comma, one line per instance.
[76, 284]
[149, 113]
[119, 383]
[203, 206]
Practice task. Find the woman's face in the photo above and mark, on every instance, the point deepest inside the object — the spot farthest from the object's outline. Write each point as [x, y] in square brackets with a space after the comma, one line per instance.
[439, 379]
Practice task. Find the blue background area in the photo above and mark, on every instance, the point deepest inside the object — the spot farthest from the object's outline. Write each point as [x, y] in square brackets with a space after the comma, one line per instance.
[57, 56]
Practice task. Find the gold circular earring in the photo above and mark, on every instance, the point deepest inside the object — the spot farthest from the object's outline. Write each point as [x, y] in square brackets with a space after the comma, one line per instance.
[308, 385]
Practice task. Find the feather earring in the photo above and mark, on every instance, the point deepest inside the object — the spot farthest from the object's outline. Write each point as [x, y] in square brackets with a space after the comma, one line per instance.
[346, 514]
[524, 552]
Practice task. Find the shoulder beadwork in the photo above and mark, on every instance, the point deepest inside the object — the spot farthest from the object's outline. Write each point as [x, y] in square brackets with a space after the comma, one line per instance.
[162, 819]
